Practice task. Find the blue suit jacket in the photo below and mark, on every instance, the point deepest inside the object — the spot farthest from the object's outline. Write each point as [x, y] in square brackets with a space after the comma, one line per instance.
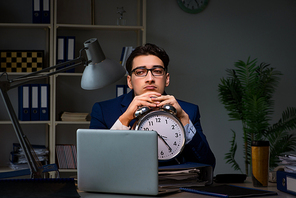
[104, 115]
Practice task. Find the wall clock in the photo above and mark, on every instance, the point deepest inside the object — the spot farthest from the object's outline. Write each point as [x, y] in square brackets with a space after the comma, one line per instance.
[170, 131]
[193, 6]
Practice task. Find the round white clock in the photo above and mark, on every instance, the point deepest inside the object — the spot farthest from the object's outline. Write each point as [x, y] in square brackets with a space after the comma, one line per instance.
[170, 131]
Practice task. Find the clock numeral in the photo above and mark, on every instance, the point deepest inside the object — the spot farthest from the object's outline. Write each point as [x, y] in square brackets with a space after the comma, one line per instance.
[161, 153]
[175, 143]
[150, 123]
[157, 120]
[176, 135]
[166, 121]
[146, 129]
[173, 127]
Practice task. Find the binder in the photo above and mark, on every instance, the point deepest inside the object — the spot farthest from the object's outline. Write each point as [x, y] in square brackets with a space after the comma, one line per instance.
[128, 50]
[70, 50]
[24, 110]
[69, 156]
[286, 182]
[120, 90]
[45, 17]
[36, 11]
[122, 54]
[74, 152]
[44, 101]
[34, 102]
[61, 49]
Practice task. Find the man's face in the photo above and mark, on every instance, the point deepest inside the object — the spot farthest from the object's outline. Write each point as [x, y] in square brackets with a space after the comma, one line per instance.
[143, 84]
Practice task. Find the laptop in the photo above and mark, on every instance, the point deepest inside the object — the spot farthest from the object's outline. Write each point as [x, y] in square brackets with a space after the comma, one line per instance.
[117, 161]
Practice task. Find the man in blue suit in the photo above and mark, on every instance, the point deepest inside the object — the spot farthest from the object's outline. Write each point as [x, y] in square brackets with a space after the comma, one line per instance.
[147, 67]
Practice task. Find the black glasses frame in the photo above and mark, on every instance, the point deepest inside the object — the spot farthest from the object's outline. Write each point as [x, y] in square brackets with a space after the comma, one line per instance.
[151, 70]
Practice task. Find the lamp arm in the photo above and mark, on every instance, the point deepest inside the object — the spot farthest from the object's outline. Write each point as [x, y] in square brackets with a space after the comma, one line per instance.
[23, 140]
[79, 58]
[33, 162]
[33, 76]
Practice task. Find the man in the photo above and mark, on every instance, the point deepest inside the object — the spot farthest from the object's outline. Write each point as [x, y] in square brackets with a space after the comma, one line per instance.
[147, 67]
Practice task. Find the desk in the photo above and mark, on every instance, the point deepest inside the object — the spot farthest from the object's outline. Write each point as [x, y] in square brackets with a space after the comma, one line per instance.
[247, 183]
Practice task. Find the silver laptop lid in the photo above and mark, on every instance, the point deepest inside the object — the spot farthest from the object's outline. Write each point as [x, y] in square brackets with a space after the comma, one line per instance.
[117, 161]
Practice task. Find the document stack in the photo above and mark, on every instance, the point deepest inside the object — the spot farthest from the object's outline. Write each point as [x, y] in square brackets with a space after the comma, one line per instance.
[18, 160]
[72, 117]
[189, 174]
[289, 163]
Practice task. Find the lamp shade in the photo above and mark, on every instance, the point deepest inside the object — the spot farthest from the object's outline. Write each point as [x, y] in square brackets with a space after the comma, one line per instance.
[101, 71]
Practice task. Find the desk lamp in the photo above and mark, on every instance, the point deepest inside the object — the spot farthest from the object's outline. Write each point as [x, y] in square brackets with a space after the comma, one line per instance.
[99, 72]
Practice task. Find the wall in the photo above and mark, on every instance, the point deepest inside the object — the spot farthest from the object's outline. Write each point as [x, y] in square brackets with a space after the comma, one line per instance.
[201, 46]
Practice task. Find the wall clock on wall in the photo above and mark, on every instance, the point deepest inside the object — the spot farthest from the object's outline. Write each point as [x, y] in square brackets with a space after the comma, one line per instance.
[193, 6]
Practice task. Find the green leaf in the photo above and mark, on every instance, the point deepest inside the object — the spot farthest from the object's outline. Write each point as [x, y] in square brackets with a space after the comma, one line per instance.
[247, 95]
[229, 157]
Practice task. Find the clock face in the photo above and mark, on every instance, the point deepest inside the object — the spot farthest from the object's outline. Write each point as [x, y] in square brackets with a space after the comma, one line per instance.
[171, 136]
[193, 6]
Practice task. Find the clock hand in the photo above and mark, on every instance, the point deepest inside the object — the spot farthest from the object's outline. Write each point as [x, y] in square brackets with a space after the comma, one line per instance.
[170, 149]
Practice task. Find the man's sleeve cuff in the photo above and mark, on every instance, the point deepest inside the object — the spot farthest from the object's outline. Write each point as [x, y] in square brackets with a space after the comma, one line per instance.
[119, 126]
[189, 132]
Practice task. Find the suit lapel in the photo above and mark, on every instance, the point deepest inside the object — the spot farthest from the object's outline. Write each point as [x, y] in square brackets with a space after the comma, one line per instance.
[126, 102]
[127, 99]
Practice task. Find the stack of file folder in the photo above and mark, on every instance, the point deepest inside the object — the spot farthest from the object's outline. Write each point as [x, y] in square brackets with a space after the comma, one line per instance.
[33, 100]
[18, 160]
[188, 174]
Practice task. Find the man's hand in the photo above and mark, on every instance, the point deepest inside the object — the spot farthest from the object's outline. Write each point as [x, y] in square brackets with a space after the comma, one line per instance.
[138, 101]
[168, 99]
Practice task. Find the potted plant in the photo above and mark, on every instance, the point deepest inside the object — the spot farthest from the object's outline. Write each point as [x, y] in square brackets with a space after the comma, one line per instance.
[247, 96]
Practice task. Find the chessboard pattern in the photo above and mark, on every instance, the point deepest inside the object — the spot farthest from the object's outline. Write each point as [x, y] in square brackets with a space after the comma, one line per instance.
[21, 61]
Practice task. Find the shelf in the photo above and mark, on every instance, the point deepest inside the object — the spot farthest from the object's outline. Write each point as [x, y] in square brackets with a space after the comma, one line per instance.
[69, 74]
[67, 170]
[26, 122]
[5, 169]
[71, 122]
[25, 25]
[103, 27]
[63, 86]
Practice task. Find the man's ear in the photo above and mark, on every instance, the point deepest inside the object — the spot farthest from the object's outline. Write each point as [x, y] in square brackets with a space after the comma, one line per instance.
[129, 82]
[167, 80]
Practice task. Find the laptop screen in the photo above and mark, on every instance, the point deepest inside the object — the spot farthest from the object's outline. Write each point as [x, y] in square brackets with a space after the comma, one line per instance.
[117, 161]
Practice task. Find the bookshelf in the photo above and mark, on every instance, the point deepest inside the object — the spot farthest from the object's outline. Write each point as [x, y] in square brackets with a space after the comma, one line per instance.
[67, 18]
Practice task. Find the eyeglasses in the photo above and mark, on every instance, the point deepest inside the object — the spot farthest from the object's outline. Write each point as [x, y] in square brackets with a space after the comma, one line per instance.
[142, 71]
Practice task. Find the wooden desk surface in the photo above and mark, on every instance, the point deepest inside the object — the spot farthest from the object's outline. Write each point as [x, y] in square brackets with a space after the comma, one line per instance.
[247, 183]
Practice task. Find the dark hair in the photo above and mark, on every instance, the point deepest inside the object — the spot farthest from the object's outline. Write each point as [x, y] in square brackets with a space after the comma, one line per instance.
[147, 49]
